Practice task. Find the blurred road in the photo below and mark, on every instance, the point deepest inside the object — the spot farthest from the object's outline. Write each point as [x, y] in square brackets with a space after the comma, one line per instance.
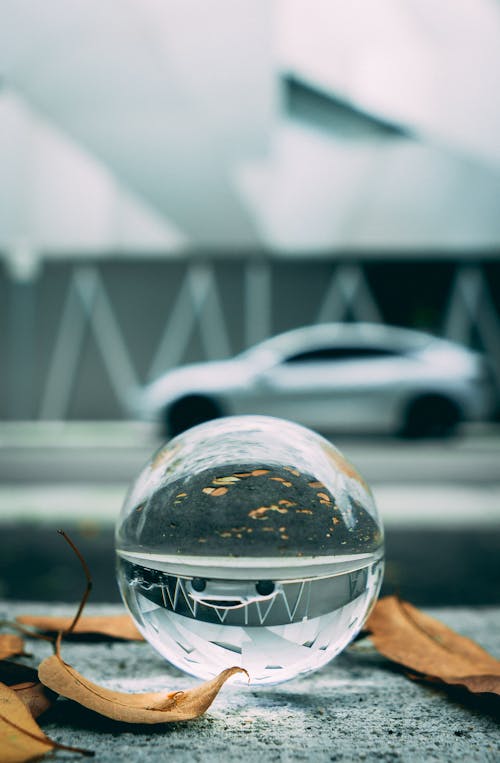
[425, 483]
[114, 453]
[440, 502]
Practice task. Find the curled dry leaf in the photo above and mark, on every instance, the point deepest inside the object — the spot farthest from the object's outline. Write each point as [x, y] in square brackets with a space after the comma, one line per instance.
[114, 626]
[153, 707]
[10, 645]
[21, 738]
[411, 638]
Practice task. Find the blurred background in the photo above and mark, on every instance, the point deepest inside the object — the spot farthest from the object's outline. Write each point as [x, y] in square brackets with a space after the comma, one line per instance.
[180, 181]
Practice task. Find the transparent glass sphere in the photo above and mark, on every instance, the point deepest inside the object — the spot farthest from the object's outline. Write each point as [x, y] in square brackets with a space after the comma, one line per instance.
[249, 541]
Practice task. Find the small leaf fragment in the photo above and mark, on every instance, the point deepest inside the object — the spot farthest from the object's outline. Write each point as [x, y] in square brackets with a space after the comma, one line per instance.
[114, 626]
[405, 635]
[10, 645]
[152, 707]
[230, 480]
[216, 492]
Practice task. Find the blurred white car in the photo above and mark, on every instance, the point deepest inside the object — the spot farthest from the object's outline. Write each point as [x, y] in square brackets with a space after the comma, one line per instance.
[342, 377]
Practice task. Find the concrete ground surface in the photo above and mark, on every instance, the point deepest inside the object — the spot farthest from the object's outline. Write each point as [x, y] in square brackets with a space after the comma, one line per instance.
[357, 708]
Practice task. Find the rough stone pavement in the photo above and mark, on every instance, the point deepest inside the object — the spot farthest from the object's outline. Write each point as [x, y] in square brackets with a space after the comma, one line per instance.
[357, 708]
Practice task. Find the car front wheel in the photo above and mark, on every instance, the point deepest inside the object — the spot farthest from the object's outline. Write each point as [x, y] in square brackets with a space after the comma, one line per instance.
[431, 416]
[187, 412]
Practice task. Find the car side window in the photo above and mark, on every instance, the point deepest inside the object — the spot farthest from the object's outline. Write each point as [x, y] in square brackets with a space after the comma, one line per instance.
[329, 354]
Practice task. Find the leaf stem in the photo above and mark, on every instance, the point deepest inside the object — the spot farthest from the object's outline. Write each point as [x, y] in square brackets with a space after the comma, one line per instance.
[25, 631]
[88, 587]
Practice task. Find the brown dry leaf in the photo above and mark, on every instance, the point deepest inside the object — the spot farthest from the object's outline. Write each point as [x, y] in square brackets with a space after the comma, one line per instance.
[24, 681]
[10, 645]
[35, 696]
[114, 626]
[411, 638]
[21, 738]
[15, 721]
[153, 707]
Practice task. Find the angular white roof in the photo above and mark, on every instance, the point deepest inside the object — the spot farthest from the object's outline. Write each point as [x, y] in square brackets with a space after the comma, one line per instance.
[169, 125]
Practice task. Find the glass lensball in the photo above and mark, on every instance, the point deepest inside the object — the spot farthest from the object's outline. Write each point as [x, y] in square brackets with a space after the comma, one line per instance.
[249, 541]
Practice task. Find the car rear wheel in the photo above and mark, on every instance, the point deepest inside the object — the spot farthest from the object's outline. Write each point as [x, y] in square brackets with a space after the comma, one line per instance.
[187, 412]
[431, 416]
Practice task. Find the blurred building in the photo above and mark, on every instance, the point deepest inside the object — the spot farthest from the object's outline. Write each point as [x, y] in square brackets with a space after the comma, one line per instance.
[181, 179]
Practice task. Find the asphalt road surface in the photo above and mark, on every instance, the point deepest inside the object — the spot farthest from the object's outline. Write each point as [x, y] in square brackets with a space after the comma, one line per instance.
[440, 502]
